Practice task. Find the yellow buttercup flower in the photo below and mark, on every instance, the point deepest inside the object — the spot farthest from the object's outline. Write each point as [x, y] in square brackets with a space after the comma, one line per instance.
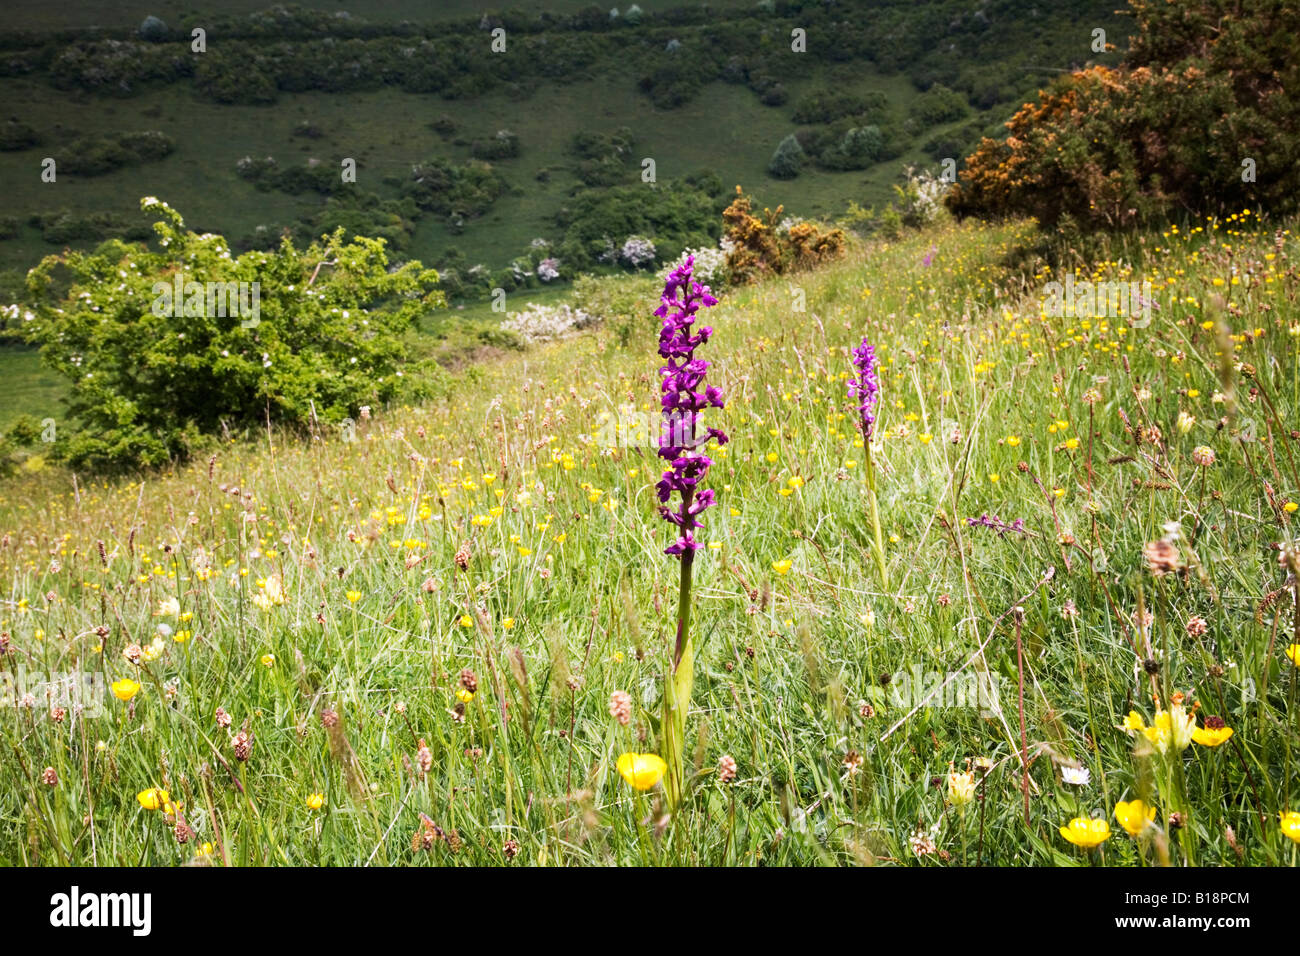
[642, 771]
[125, 688]
[316, 801]
[268, 660]
[354, 597]
[153, 798]
[1214, 732]
[782, 567]
[1293, 652]
[1086, 833]
[1134, 816]
[1290, 822]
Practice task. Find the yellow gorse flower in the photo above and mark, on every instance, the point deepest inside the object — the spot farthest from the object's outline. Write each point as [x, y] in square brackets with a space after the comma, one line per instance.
[642, 771]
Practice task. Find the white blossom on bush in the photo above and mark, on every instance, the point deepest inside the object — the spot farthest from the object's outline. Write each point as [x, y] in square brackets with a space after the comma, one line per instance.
[922, 199]
[545, 323]
[548, 269]
[710, 263]
[638, 251]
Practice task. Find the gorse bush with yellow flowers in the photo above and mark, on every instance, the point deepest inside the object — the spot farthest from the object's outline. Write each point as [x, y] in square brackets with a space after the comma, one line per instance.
[1065, 633]
[1109, 148]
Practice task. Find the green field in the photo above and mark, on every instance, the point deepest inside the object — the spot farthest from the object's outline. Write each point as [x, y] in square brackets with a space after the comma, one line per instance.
[371, 612]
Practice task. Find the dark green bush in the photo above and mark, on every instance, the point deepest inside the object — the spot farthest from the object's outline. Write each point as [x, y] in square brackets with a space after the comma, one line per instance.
[788, 159]
[16, 135]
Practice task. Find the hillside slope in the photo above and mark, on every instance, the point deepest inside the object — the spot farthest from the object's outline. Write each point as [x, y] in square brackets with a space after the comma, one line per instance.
[328, 594]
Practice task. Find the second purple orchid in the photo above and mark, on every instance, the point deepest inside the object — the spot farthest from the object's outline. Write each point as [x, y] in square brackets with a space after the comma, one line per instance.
[866, 386]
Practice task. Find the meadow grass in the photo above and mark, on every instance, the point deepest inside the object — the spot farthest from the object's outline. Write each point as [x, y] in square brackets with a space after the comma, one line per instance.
[424, 627]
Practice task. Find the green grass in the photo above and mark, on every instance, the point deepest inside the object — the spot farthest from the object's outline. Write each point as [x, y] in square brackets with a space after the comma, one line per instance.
[564, 600]
[30, 388]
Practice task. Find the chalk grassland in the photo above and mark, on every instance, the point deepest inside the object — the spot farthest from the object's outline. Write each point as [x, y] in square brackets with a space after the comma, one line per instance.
[420, 631]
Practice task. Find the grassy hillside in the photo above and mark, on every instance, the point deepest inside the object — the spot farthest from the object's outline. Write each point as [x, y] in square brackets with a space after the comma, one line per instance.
[429, 623]
[592, 85]
[1000, 54]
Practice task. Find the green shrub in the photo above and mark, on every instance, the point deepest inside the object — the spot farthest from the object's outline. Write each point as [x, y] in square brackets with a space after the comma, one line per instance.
[674, 215]
[504, 145]
[938, 105]
[16, 135]
[147, 381]
[787, 161]
[441, 187]
[827, 106]
[96, 155]
[860, 147]
[619, 303]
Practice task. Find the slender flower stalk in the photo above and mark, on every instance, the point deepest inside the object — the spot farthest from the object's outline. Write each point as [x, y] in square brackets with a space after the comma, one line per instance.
[866, 387]
[680, 443]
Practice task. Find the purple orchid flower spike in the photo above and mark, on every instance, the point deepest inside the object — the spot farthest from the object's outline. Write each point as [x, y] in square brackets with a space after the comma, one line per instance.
[683, 399]
[866, 386]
